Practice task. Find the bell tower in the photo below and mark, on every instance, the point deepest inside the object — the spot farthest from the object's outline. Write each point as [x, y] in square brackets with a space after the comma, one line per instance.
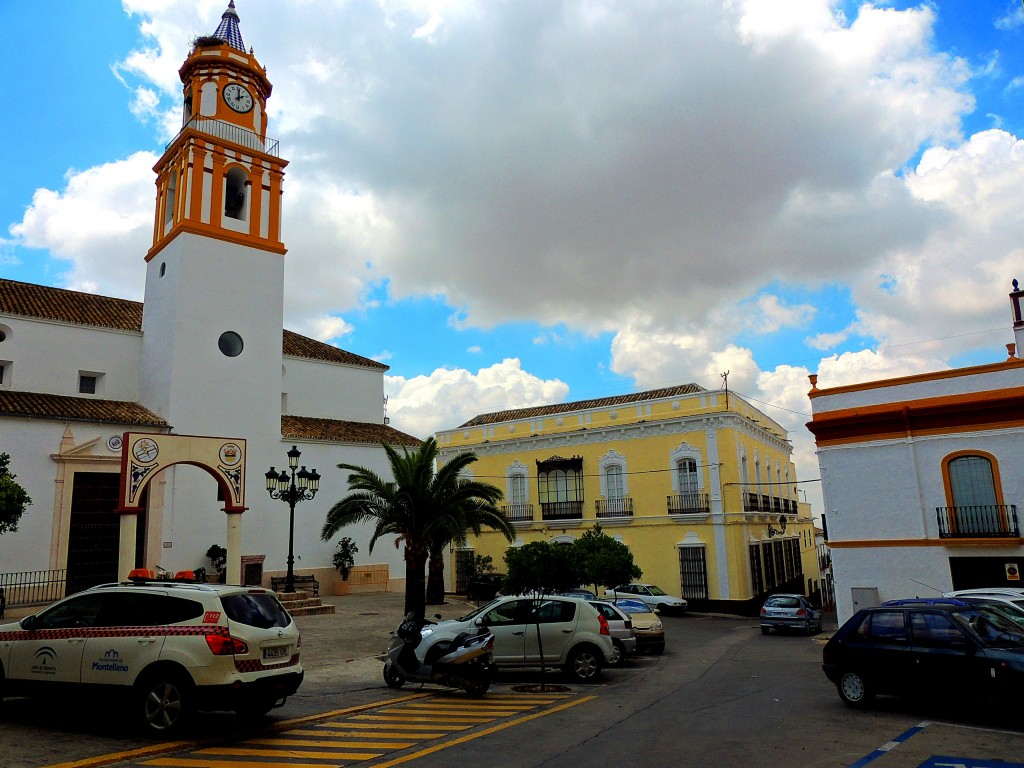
[221, 176]
[214, 304]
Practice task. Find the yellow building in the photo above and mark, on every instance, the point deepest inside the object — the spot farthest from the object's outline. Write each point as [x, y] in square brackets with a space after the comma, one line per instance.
[699, 485]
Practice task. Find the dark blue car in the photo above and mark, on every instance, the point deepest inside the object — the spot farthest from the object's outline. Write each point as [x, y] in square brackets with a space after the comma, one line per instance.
[925, 648]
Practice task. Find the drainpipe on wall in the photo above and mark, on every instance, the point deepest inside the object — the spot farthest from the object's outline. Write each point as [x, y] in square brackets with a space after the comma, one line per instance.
[917, 472]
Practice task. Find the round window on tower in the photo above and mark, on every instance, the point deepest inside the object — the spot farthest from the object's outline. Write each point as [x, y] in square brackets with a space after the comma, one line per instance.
[230, 344]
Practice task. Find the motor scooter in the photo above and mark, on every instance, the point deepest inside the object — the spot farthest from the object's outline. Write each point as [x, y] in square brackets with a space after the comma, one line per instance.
[419, 653]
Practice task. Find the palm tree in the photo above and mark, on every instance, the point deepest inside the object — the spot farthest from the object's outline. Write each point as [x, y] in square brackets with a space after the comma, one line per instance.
[479, 512]
[418, 507]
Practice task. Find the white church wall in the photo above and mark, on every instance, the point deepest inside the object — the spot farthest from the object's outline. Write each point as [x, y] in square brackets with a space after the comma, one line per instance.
[32, 443]
[47, 357]
[333, 390]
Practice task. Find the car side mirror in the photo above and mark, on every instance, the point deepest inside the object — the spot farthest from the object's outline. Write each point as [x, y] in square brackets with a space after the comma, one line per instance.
[437, 617]
[657, 610]
[28, 622]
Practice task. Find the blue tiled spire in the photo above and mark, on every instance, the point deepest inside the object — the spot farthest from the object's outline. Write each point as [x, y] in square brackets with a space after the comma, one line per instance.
[228, 28]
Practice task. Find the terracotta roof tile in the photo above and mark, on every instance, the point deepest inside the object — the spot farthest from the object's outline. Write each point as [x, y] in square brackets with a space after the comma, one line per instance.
[41, 301]
[31, 300]
[64, 407]
[335, 430]
[303, 346]
[581, 405]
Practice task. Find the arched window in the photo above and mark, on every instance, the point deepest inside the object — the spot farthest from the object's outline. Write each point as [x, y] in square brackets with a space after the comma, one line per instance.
[613, 481]
[686, 476]
[517, 489]
[235, 190]
[974, 496]
[971, 481]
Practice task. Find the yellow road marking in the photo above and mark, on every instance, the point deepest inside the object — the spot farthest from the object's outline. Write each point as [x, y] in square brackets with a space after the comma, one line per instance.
[309, 754]
[174, 746]
[363, 734]
[207, 763]
[397, 726]
[485, 732]
[398, 717]
[314, 743]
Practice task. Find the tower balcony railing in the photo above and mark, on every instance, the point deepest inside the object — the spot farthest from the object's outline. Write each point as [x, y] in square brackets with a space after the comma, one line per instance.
[984, 521]
[231, 132]
[692, 503]
[621, 506]
[562, 510]
[519, 512]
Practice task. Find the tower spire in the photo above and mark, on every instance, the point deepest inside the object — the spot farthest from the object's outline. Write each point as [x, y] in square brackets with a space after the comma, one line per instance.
[228, 30]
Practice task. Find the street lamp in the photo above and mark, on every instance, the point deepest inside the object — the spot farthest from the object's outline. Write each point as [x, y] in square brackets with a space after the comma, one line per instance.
[777, 531]
[291, 489]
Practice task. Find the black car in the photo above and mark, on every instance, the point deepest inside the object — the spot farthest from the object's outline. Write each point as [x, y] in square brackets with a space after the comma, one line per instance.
[484, 586]
[926, 649]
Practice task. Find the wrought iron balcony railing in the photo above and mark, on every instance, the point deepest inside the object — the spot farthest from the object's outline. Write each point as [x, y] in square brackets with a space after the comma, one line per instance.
[231, 132]
[518, 513]
[619, 507]
[562, 510]
[688, 504]
[978, 522]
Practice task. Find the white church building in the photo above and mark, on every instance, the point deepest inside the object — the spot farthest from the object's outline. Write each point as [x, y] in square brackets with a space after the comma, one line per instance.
[110, 408]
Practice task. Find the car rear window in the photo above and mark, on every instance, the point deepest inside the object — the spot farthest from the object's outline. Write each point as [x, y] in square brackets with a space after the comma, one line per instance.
[883, 627]
[782, 602]
[256, 610]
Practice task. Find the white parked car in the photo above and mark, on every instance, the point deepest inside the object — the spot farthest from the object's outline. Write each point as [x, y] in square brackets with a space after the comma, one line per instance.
[169, 647]
[573, 633]
[620, 627]
[651, 594]
[1011, 599]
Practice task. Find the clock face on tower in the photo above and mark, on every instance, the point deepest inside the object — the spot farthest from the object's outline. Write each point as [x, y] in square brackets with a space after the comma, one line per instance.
[236, 97]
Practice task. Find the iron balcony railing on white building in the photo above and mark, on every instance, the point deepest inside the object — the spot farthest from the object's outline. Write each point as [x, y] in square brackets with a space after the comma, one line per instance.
[984, 521]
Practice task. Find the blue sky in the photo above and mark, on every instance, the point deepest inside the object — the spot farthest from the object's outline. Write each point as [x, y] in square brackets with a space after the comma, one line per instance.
[513, 203]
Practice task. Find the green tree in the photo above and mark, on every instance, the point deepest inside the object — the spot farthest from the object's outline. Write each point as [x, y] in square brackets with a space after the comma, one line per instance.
[542, 567]
[603, 561]
[418, 507]
[14, 500]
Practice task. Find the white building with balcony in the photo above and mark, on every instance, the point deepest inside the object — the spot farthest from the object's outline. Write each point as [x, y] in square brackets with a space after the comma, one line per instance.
[923, 479]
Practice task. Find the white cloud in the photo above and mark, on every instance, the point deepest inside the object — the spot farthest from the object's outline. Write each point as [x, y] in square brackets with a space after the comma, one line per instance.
[773, 314]
[101, 223]
[651, 170]
[422, 405]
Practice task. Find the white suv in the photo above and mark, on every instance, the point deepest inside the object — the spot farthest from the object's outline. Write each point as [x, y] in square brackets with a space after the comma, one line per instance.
[573, 633]
[171, 647]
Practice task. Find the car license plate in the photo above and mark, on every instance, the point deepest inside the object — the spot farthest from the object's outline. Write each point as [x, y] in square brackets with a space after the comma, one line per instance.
[276, 652]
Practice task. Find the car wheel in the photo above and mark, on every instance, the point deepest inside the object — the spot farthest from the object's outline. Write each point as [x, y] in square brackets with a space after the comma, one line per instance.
[765, 630]
[854, 690]
[584, 663]
[163, 702]
[393, 677]
[618, 655]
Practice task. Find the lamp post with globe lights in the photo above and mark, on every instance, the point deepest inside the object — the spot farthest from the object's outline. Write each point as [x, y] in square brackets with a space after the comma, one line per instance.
[291, 489]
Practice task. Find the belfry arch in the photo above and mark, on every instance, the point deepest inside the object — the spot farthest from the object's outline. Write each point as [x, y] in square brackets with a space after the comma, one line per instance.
[145, 455]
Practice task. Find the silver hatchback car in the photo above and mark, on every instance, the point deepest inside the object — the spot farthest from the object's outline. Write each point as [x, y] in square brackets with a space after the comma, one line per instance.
[790, 612]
